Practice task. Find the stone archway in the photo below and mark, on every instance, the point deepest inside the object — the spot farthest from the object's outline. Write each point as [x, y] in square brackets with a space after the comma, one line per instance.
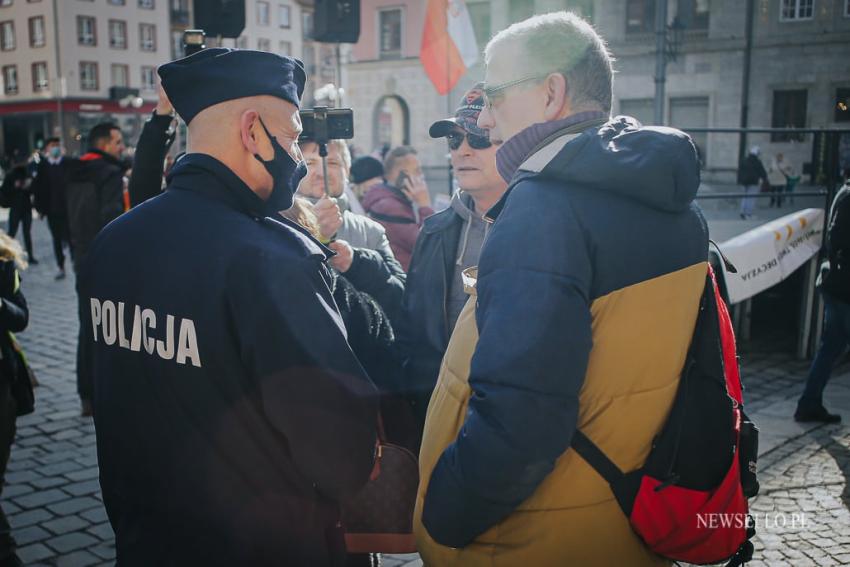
[391, 122]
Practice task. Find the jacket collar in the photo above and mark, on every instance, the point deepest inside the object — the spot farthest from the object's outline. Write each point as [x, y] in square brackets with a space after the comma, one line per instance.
[203, 174]
[94, 154]
[520, 147]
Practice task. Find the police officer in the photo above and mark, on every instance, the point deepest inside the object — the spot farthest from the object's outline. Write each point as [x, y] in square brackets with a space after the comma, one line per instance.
[231, 415]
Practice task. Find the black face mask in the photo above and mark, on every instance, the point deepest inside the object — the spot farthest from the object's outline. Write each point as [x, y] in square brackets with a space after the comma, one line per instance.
[286, 174]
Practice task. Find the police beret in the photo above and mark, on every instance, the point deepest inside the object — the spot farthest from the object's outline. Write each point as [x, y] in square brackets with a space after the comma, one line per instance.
[219, 74]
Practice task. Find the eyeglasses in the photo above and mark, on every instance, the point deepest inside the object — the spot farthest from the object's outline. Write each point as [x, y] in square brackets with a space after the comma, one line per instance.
[476, 142]
[491, 93]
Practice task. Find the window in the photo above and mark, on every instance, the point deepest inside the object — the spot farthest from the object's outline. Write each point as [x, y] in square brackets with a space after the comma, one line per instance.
[146, 4]
[847, 8]
[147, 37]
[640, 16]
[479, 14]
[40, 81]
[37, 37]
[307, 25]
[284, 15]
[117, 34]
[842, 105]
[691, 112]
[693, 14]
[88, 76]
[263, 13]
[309, 60]
[117, 2]
[264, 44]
[242, 42]
[120, 75]
[7, 35]
[794, 10]
[789, 111]
[10, 79]
[641, 109]
[3, 4]
[180, 12]
[389, 24]
[176, 44]
[519, 10]
[86, 31]
[284, 48]
[148, 78]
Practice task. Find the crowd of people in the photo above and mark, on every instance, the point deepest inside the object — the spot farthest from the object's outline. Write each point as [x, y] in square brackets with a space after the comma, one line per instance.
[252, 329]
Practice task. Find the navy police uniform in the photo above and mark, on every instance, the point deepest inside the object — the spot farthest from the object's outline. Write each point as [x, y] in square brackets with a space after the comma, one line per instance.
[231, 414]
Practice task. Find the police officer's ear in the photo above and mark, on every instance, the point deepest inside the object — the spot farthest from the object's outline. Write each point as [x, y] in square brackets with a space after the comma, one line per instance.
[252, 134]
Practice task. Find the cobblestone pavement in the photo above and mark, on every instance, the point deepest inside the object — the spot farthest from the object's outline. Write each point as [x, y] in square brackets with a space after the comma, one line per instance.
[53, 502]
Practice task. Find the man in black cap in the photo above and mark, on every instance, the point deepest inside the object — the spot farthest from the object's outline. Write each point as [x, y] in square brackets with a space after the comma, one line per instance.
[450, 242]
[231, 415]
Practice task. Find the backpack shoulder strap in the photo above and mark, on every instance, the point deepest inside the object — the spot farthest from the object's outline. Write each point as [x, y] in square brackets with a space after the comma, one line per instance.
[590, 452]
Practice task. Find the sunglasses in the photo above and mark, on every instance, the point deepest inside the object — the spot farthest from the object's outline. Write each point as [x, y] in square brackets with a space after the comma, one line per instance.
[455, 139]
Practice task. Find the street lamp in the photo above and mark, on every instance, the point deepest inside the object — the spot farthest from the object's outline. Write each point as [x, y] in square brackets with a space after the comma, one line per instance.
[131, 100]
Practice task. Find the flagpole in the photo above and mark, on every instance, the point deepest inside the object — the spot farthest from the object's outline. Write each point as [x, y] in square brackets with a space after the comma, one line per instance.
[449, 99]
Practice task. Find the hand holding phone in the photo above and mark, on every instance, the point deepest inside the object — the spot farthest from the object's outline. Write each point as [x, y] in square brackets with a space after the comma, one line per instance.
[415, 189]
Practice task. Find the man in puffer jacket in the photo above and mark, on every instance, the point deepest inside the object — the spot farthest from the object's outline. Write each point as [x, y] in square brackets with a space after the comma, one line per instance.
[582, 312]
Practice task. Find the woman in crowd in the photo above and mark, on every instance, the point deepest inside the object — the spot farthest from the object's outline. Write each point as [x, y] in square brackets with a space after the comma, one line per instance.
[14, 317]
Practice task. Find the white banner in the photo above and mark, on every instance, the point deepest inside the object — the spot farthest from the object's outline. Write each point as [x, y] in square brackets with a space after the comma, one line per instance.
[768, 254]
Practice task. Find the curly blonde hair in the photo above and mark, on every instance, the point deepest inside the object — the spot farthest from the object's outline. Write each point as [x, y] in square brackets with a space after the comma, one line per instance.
[11, 251]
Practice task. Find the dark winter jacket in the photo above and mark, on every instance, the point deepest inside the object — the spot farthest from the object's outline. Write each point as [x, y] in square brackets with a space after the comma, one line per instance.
[376, 273]
[14, 315]
[17, 188]
[49, 188]
[836, 282]
[752, 171]
[423, 334]
[369, 331]
[401, 218]
[95, 196]
[588, 288]
[149, 159]
[231, 413]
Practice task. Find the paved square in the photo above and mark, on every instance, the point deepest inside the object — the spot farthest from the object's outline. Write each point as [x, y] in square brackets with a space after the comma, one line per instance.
[53, 501]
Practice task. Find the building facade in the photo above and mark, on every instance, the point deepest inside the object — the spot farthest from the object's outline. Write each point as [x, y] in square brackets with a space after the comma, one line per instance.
[394, 102]
[98, 63]
[800, 72]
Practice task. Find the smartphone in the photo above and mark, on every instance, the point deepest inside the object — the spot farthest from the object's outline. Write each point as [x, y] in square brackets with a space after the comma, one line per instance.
[399, 181]
[324, 124]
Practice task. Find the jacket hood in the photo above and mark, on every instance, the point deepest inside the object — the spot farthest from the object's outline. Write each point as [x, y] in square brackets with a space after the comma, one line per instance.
[462, 205]
[654, 165]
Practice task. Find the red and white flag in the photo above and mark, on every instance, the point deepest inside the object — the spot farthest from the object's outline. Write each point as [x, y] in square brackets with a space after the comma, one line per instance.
[448, 43]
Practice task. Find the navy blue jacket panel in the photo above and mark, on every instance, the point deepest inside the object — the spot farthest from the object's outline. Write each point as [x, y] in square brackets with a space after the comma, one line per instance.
[231, 414]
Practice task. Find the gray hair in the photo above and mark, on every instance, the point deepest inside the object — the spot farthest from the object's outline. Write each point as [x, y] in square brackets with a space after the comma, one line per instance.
[562, 42]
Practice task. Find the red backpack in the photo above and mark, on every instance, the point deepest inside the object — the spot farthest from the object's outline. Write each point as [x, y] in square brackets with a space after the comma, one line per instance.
[689, 500]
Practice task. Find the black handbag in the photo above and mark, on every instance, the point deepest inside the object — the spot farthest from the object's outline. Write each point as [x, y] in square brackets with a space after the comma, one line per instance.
[379, 518]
